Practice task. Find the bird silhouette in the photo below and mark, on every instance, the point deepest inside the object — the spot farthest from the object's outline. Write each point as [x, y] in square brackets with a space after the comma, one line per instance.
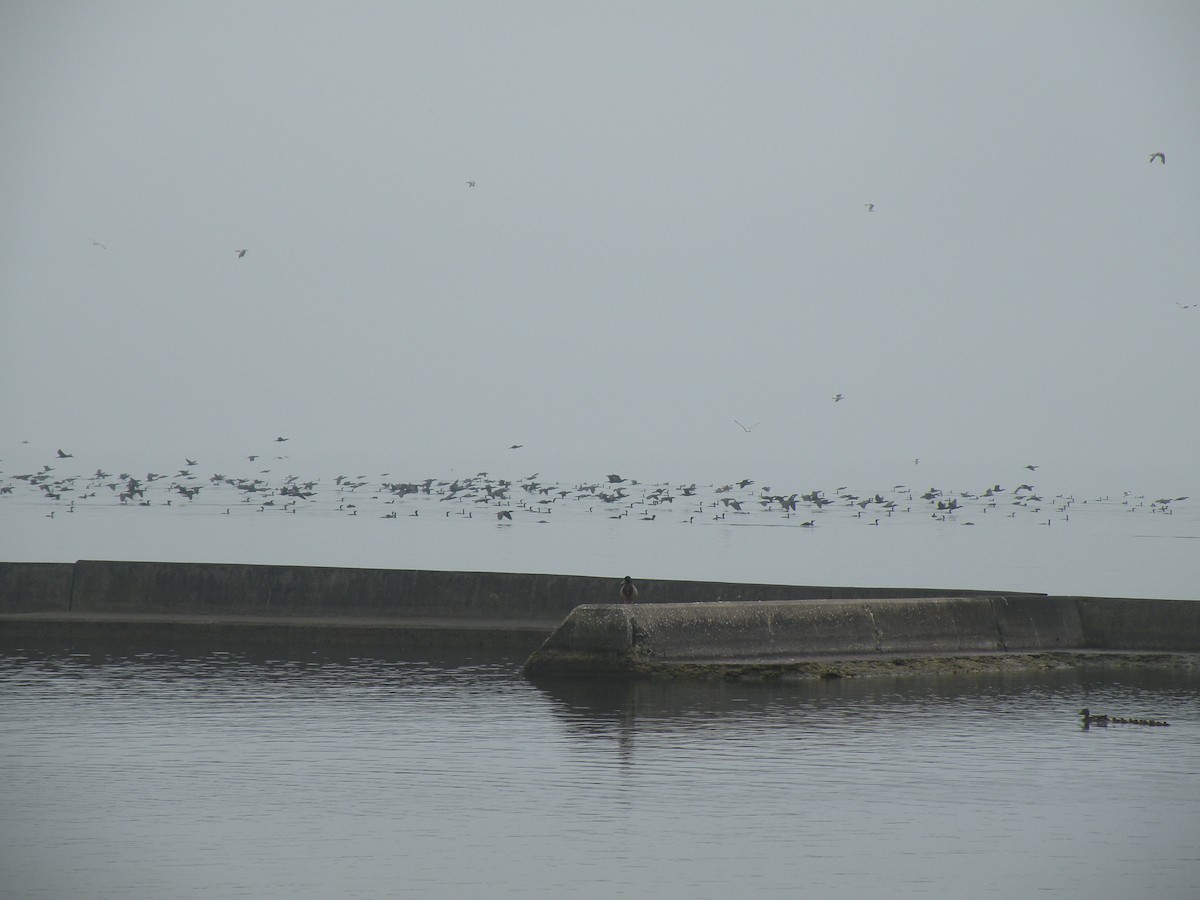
[240, 253]
[870, 207]
[98, 244]
[746, 428]
[837, 397]
[1161, 157]
[470, 184]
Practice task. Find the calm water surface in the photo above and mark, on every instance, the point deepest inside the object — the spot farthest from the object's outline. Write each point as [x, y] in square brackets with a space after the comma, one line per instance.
[225, 775]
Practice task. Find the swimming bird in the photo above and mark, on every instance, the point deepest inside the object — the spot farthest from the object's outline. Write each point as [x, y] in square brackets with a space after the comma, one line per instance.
[240, 253]
[1089, 719]
[1159, 156]
[629, 591]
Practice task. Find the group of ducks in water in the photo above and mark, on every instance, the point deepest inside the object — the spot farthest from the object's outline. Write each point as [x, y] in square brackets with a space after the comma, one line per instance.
[1090, 719]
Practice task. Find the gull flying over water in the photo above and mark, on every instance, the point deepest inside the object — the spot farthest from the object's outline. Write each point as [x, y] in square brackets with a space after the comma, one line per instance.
[1161, 157]
[744, 428]
[837, 397]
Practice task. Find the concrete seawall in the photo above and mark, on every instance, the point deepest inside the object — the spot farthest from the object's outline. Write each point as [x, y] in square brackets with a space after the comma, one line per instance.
[103, 586]
[675, 623]
[803, 636]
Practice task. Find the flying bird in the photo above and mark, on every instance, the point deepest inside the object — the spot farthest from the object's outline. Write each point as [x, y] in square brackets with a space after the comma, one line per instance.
[1032, 468]
[470, 184]
[1162, 157]
[240, 253]
[837, 397]
[280, 440]
[504, 514]
[745, 428]
[516, 446]
[62, 455]
[98, 244]
[870, 207]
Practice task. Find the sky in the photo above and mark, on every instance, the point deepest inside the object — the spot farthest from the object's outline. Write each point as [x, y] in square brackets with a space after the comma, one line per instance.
[629, 237]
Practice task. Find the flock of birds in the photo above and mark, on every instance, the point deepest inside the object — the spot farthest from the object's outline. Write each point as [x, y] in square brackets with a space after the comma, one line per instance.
[60, 486]
[1089, 719]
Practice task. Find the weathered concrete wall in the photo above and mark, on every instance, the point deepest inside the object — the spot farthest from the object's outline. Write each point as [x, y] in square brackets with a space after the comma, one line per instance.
[101, 586]
[635, 638]
[35, 587]
[1128, 624]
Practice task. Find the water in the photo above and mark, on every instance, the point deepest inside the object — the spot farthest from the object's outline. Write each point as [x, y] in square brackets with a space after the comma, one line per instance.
[142, 775]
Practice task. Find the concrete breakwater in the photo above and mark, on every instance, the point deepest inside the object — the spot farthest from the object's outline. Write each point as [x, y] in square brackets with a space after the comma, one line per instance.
[854, 636]
[287, 604]
[675, 626]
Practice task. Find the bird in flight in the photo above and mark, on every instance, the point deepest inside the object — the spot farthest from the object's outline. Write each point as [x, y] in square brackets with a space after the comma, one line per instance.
[470, 184]
[1162, 157]
[516, 446]
[870, 207]
[98, 244]
[837, 397]
[240, 253]
[280, 440]
[1032, 468]
[745, 428]
[62, 455]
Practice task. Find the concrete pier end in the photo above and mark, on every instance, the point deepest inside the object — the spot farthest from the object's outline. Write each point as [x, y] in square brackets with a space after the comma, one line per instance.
[803, 636]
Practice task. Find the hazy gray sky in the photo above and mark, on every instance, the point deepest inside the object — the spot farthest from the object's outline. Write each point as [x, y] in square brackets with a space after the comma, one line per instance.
[667, 233]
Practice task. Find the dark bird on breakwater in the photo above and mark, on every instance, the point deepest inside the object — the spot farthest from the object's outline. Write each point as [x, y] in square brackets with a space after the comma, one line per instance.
[1161, 157]
[629, 591]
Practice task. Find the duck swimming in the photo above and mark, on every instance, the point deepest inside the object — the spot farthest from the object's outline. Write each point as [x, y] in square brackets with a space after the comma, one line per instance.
[1089, 719]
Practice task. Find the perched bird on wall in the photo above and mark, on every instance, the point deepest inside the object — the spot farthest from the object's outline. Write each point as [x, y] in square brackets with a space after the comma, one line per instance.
[629, 591]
